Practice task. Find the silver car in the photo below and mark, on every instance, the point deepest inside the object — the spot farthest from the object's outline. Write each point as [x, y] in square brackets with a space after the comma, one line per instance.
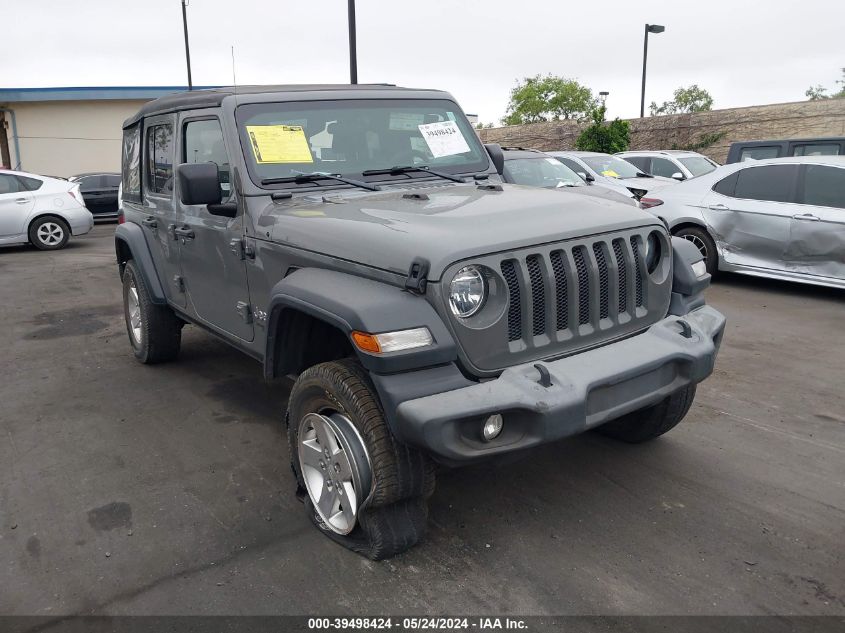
[677, 164]
[41, 210]
[782, 218]
[612, 172]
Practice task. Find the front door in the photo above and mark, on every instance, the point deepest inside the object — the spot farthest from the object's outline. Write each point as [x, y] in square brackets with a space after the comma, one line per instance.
[817, 229]
[16, 201]
[749, 213]
[160, 212]
[211, 255]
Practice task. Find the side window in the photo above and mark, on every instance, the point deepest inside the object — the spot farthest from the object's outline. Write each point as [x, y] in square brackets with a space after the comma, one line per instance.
[772, 183]
[727, 185]
[823, 186]
[759, 153]
[9, 184]
[111, 181]
[572, 165]
[663, 167]
[89, 183]
[816, 149]
[30, 184]
[159, 172]
[204, 144]
[131, 163]
[640, 162]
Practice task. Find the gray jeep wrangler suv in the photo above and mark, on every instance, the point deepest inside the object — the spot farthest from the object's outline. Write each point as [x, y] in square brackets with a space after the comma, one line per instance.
[360, 239]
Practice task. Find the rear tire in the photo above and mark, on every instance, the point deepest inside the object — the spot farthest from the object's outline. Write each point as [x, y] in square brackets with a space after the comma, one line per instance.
[392, 512]
[49, 233]
[705, 244]
[155, 332]
[651, 422]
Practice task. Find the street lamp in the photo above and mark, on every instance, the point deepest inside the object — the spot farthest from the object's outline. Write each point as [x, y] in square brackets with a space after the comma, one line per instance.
[187, 48]
[603, 96]
[353, 53]
[649, 28]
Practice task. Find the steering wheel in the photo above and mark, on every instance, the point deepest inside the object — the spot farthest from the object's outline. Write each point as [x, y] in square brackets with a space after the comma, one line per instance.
[410, 157]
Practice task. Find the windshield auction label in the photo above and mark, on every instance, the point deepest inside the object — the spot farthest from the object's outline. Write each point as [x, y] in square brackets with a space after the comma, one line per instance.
[279, 144]
[444, 138]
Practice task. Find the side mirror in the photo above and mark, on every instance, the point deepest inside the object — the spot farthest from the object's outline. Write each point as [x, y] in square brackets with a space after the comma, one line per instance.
[678, 176]
[199, 183]
[497, 156]
[587, 177]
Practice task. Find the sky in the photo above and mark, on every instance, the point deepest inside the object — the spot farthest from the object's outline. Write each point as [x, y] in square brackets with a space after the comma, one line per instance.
[743, 52]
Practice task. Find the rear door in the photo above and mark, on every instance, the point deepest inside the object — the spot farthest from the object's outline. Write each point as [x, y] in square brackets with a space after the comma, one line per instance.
[817, 230]
[212, 259]
[159, 214]
[16, 202]
[93, 192]
[749, 214]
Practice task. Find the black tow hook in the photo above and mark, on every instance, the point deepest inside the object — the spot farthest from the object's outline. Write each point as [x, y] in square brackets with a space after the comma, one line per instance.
[686, 330]
[545, 377]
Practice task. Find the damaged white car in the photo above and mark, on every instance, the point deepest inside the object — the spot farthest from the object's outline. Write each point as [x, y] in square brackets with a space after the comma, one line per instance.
[782, 218]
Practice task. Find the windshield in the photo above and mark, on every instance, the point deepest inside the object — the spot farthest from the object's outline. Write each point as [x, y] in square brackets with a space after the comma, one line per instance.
[350, 137]
[697, 165]
[611, 166]
[540, 172]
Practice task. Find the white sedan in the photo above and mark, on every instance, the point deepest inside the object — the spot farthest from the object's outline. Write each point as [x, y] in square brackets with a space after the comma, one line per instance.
[41, 210]
[782, 218]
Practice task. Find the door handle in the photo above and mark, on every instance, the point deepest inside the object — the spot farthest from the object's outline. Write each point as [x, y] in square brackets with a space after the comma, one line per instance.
[718, 207]
[809, 217]
[184, 232]
[150, 221]
[21, 200]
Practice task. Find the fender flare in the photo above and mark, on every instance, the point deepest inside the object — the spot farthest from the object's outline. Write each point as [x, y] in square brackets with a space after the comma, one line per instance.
[352, 303]
[132, 236]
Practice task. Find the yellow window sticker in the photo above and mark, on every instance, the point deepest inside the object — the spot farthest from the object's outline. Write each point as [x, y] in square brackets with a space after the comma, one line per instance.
[279, 144]
[610, 173]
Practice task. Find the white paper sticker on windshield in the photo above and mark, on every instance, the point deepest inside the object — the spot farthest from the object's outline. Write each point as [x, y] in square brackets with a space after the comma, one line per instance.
[444, 138]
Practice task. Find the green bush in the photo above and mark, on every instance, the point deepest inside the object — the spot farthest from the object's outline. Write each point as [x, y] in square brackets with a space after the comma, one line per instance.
[600, 136]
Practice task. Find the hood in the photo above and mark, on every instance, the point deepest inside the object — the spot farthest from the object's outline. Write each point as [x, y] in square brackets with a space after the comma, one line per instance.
[443, 224]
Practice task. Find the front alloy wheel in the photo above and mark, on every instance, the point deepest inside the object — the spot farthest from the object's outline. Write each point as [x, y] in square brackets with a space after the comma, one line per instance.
[336, 468]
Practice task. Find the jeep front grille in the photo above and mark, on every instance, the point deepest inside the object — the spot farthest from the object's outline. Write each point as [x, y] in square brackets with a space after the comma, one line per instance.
[600, 280]
[558, 298]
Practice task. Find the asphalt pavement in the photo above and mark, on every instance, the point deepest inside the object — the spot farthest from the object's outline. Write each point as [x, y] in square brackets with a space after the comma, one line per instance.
[127, 489]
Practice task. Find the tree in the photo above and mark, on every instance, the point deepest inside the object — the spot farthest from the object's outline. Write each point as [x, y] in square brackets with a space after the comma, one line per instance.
[548, 98]
[817, 92]
[604, 137]
[692, 99]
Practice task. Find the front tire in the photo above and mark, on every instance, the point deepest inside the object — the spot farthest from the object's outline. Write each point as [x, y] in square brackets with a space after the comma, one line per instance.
[49, 233]
[651, 422]
[705, 245]
[155, 332]
[361, 487]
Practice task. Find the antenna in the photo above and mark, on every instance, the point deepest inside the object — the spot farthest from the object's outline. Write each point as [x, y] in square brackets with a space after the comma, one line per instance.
[234, 80]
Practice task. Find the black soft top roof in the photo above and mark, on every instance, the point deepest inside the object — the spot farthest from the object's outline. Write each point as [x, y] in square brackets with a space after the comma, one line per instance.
[211, 98]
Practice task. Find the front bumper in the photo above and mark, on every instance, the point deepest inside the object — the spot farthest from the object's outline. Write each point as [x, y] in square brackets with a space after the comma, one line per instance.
[586, 390]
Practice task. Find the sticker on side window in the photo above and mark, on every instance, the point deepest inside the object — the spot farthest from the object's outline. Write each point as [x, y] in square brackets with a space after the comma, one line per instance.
[444, 138]
[279, 144]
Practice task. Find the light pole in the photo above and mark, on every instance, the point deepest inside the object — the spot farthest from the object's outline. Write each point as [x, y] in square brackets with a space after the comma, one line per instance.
[353, 53]
[187, 48]
[649, 28]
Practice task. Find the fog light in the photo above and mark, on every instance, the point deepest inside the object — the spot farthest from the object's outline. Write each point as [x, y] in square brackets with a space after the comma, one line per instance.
[492, 427]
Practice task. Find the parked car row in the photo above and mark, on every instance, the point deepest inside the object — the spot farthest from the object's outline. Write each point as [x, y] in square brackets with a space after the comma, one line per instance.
[46, 210]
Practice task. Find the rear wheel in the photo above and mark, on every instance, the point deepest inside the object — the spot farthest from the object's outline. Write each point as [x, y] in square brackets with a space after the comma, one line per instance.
[705, 245]
[49, 234]
[361, 487]
[155, 332]
[651, 422]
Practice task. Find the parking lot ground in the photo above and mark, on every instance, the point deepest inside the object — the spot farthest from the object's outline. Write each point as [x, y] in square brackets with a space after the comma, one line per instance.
[127, 489]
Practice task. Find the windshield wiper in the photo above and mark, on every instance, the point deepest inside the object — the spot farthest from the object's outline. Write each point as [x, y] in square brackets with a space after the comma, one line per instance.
[316, 175]
[395, 171]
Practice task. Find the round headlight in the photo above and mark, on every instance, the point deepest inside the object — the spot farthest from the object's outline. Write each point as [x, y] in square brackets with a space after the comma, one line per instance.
[467, 292]
[652, 251]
